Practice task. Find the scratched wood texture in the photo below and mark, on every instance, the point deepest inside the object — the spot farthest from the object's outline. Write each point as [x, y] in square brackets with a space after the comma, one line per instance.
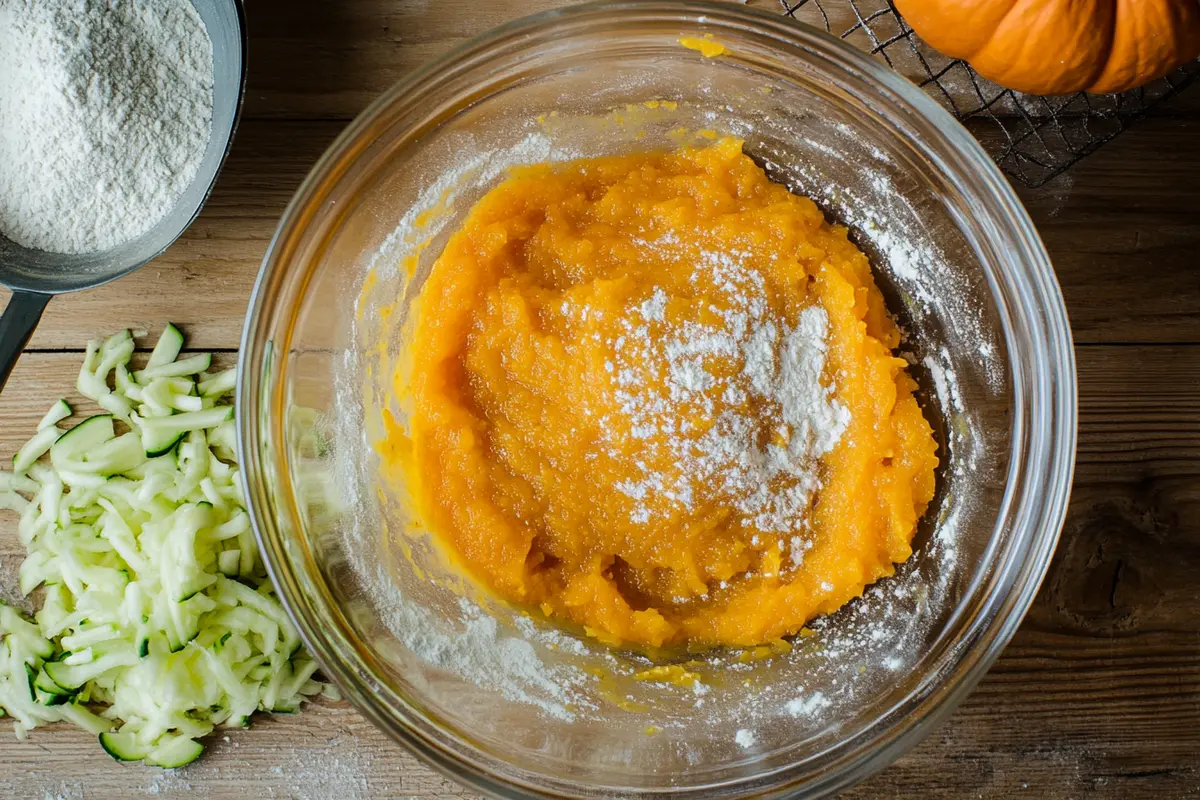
[1099, 692]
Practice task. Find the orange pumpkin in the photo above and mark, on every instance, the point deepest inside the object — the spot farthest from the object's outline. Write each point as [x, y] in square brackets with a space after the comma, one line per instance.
[1061, 46]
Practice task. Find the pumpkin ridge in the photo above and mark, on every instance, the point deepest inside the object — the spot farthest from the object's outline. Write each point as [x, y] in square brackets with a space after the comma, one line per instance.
[1048, 47]
[1102, 62]
[1012, 6]
[1133, 59]
[1056, 47]
[956, 28]
[999, 24]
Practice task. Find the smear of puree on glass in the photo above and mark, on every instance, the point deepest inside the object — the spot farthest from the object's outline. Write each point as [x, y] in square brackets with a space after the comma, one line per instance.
[706, 46]
[655, 395]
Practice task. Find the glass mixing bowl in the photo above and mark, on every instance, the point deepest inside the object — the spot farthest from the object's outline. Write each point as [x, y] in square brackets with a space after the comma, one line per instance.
[506, 702]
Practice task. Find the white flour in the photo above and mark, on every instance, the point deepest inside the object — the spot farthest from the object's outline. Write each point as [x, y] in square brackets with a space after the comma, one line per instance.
[105, 112]
[767, 378]
[806, 706]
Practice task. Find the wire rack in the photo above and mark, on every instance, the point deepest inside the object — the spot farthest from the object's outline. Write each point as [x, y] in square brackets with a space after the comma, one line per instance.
[1031, 138]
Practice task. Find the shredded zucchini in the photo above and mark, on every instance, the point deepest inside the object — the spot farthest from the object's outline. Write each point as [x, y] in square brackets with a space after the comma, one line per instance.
[158, 622]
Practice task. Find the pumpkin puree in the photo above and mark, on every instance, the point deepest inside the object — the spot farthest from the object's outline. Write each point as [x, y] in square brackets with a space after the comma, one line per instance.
[571, 357]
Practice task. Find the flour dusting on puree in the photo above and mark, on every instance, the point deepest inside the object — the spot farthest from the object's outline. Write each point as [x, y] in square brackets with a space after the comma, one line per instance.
[736, 405]
[632, 380]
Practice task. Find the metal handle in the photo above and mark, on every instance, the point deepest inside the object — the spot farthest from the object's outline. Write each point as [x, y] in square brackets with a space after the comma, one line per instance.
[20, 317]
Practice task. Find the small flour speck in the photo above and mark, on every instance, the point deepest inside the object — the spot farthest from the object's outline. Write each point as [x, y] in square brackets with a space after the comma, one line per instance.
[807, 706]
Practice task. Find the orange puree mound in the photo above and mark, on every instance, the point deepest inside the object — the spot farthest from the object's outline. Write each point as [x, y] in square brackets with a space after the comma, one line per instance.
[655, 395]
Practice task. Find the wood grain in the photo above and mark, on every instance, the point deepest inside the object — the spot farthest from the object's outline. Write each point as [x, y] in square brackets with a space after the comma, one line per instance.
[1123, 229]
[1098, 694]
[328, 752]
[364, 48]
[361, 50]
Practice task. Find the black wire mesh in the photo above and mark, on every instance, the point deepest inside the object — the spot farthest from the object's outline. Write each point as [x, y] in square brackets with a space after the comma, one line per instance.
[1031, 138]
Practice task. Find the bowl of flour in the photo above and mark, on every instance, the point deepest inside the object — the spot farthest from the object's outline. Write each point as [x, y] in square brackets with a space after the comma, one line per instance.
[115, 118]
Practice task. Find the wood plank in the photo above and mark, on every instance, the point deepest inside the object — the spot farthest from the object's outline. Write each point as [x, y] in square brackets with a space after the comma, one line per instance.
[328, 752]
[1099, 693]
[363, 48]
[1122, 229]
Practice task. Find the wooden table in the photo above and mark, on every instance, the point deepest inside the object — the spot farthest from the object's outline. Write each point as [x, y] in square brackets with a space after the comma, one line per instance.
[1098, 694]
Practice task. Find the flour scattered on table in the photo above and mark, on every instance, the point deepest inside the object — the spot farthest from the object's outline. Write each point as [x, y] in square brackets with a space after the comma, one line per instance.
[168, 783]
[64, 791]
[341, 773]
[105, 112]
